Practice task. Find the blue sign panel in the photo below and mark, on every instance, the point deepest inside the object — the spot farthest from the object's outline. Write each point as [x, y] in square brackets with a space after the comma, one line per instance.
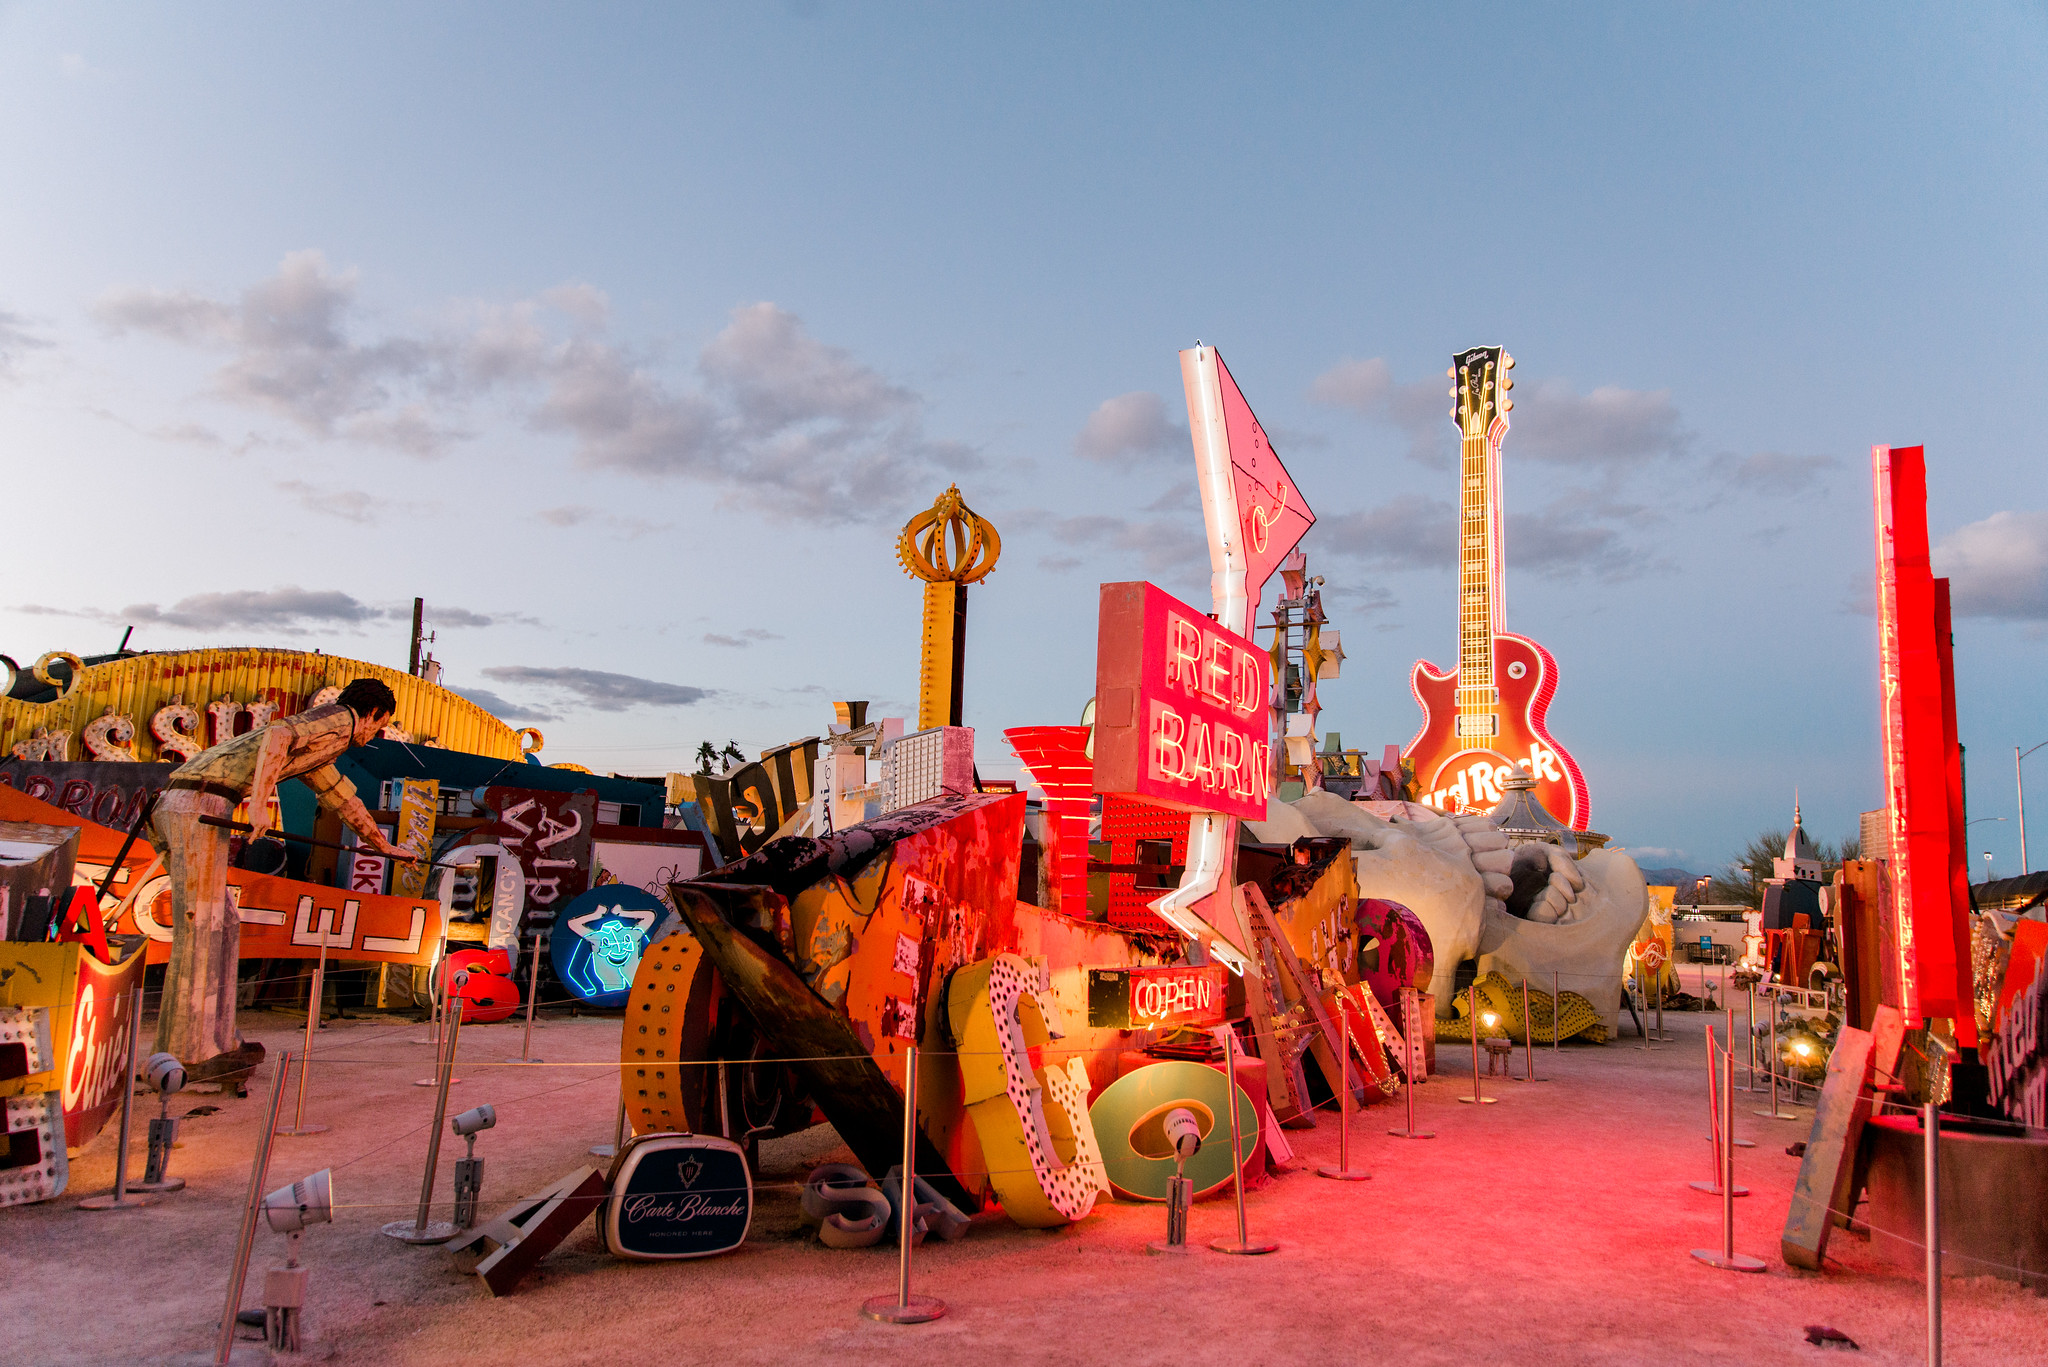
[599, 937]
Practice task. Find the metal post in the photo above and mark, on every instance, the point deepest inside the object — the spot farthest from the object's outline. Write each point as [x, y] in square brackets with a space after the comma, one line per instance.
[1472, 1011]
[1343, 1172]
[611, 1150]
[2019, 779]
[1930, 1179]
[1412, 1019]
[1728, 1260]
[532, 994]
[259, 1175]
[1556, 1010]
[1529, 1037]
[905, 1308]
[1772, 1068]
[121, 1200]
[1738, 1143]
[1662, 1038]
[1715, 1119]
[433, 1037]
[299, 1125]
[1749, 1037]
[1244, 1244]
[419, 1230]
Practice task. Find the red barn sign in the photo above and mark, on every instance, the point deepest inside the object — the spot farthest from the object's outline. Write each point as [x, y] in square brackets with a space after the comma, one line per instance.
[1180, 706]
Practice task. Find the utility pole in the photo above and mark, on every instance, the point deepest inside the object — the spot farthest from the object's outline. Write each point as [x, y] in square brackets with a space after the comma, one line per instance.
[419, 607]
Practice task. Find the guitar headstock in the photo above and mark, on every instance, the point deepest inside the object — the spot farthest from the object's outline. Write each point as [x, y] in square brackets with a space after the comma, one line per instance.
[1480, 385]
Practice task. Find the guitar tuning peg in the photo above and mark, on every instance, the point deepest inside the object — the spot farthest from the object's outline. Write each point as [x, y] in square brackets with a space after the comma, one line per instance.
[1507, 362]
[1453, 393]
[1508, 407]
[1452, 373]
[1509, 383]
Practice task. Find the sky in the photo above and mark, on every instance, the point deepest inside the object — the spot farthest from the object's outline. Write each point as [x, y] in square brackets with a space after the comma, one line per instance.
[628, 336]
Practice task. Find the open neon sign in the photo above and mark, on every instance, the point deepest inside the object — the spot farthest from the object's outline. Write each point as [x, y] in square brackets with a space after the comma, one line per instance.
[1180, 706]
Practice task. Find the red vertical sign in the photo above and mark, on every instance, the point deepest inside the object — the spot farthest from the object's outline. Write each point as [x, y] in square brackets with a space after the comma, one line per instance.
[1918, 748]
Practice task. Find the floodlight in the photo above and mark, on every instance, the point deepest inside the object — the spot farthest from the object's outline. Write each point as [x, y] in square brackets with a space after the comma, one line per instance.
[1184, 1132]
[472, 1122]
[308, 1201]
[165, 1073]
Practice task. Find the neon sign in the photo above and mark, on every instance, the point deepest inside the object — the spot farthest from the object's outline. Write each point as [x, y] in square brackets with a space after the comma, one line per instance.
[1148, 998]
[1180, 706]
[598, 940]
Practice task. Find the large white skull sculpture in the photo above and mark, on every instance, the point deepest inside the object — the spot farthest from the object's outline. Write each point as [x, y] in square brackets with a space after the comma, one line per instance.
[1530, 911]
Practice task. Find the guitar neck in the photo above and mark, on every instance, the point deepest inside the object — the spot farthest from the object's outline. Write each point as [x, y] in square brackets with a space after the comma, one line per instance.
[1478, 579]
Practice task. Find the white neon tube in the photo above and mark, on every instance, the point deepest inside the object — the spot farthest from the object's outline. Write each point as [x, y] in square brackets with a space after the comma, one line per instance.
[1212, 839]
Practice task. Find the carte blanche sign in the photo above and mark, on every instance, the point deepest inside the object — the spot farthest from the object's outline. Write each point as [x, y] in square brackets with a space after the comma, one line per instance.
[1180, 706]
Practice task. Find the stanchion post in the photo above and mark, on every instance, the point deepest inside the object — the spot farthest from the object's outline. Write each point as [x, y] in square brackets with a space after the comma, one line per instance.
[420, 1230]
[1243, 1245]
[1414, 1042]
[1727, 1260]
[1775, 1113]
[611, 1150]
[299, 1125]
[1529, 1036]
[1930, 1180]
[121, 1200]
[1716, 1119]
[259, 1175]
[533, 995]
[1556, 1010]
[1343, 1172]
[905, 1308]
[1472, 1012]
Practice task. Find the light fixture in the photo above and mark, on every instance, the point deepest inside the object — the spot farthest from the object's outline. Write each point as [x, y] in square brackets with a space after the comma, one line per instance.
[469, 1171]
[289, 1210]
[166, 1075]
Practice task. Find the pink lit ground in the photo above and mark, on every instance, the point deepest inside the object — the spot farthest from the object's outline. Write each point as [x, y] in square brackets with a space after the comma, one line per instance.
[1552, 1227]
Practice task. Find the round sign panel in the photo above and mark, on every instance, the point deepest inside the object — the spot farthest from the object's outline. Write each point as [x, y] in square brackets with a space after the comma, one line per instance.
[598, 940]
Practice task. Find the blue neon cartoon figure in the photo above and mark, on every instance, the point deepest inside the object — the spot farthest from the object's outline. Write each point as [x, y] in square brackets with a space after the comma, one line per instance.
[609, 928]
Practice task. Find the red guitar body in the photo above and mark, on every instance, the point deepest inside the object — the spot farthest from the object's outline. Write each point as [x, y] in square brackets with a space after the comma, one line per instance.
[1464, 773]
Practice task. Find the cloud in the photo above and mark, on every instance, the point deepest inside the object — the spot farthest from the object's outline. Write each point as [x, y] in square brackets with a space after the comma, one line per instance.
[1574, 536]
[576, 515]
[1419, 408]
[1552, 422]
[1165, 548]
[290, 354]
[772, 418]
[1772, 472]
[1410, 533]
[598, 690]
[741, 641]
[503, 710]
[1610, 426]
[1134, 424]
[1997, 567]
[289, 610]
[780, 421]
[350, 505]
[15, 341]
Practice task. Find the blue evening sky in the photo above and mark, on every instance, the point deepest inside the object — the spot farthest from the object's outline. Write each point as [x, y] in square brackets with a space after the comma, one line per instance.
[628, 336]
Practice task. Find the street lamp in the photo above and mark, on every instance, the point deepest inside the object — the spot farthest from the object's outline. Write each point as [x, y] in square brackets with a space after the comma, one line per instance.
[2020, 779]
[1987, 854]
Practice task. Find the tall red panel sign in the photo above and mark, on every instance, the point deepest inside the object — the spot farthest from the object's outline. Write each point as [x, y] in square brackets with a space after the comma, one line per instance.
[1919, 746]
[1180, 706]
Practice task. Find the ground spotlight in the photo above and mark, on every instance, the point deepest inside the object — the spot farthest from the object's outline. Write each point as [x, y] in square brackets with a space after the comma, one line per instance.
[469, 1171]
[166, 1075]
[289, 1210]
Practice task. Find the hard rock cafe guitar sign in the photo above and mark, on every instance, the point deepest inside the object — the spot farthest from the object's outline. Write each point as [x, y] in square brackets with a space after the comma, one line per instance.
[1486, 718]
